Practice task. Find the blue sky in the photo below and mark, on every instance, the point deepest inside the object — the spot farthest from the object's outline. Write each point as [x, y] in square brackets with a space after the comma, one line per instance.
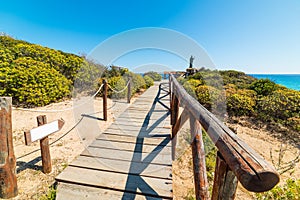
[254, 36]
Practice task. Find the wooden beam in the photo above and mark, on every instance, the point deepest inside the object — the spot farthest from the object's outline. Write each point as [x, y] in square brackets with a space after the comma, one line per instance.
[254, 173]
[225, 182]
[8, 179]
[200, 176]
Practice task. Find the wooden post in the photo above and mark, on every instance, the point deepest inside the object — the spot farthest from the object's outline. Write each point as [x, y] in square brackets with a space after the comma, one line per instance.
[174, 121]
[45, 148]
[200, 176]
[225, 182]
[105, 100]
[8, 179]
[175, 109]
[129, 91]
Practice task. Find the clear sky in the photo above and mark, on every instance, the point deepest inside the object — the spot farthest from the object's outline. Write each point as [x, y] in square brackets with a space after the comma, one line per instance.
[254, 36]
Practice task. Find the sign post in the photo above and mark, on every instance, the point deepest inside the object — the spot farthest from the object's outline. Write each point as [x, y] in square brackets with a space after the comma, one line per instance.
[41, 133]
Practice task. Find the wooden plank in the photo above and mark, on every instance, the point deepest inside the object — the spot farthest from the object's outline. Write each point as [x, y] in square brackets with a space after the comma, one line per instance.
[126, 146]
[139, 115]
[140, 124]
[79, 192]
[126, 167]
[131, 139]
[142, 121]
[157, 157]
[138, 134]
[137, 130]
[117, 181]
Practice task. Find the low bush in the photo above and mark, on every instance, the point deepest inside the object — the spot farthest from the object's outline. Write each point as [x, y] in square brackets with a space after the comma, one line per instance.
[137, 82]
[241, 103]
[118, 84]
[211, 98]
[191, 85]
[280, 106]
[154, 75]
[32, 83]
[263, 87]
[239, 79]
[149, 81]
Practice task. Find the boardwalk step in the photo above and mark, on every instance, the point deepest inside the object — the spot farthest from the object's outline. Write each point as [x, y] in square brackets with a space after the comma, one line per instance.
[117, 181]
[79, 192]
[122, 166]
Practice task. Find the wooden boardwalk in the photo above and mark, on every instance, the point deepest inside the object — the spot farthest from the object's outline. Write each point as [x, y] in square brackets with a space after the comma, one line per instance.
[130, 160]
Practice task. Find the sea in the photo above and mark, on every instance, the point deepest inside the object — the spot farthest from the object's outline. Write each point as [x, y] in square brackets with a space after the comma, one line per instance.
[291, 81]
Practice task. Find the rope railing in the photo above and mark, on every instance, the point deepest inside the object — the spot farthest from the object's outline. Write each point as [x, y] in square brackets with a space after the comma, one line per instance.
[236, 161]
[119, 91]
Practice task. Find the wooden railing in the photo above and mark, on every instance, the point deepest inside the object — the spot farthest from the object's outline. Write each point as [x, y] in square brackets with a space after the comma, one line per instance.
[236, 161]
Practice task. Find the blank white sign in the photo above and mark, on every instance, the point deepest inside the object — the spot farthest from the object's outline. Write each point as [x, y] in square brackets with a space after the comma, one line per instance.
[44, 130]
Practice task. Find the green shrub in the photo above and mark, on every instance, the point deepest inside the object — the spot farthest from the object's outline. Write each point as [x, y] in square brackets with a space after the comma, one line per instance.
[114, 71]
[263, 87]
[51, 194]
[241, 103]
[87, 77]
[154, 75]
[117, 83]
[239, 79]
[210, 97]
[138, 82]
[210, 156]
[191, 85]
[32, 83]
[210, 78]
[290, 190]
[280, 105]
[149, 81]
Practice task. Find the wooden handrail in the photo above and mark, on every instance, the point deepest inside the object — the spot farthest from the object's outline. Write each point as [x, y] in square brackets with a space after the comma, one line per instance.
[254, 173]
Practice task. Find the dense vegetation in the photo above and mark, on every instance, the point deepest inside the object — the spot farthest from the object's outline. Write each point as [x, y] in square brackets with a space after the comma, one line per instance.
[35, 75]
[243, 95]
[153, 75]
